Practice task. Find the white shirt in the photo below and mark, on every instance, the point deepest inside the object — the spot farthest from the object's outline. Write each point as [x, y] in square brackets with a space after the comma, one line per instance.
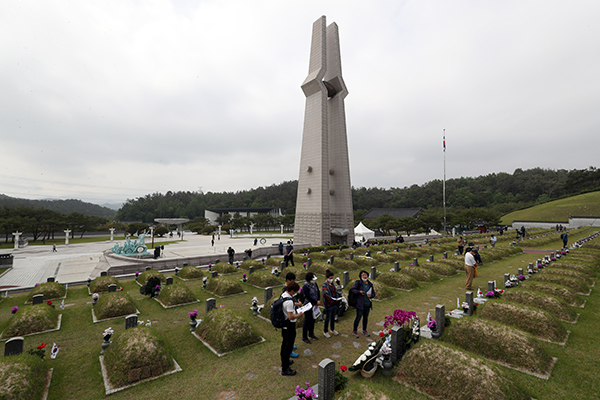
[470, 259]
[288, 306]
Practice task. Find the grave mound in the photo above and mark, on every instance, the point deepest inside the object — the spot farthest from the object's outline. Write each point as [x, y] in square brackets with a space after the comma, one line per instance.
[319, 268]
[274, 261]
[299, 272]
[341, 264]
[420, 274]
[100, 284]
[384, 258]
[446, 373]
[136, 354]
[223, 286]
[144, 276]
[365, 262]
[225, 330]
[254, 263]
[397, 280]
[265, 279]
[576, 284]
[583, 268]
[456, 263]
[191, 272]
[539, 323]
[22, 377]
[500, 343]
[172, 295]
[32, 319]
[560, 291]
[50, 290]
[439, 268]
[554, 305]
[114, 305]
[224, 268]
[568, 272]
[382, 291]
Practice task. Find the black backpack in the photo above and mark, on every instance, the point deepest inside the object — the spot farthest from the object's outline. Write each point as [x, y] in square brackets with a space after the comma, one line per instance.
[277, 317]
[352, 298]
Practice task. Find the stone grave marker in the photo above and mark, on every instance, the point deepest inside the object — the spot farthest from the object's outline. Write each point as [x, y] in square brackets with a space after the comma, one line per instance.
[281, 266]
[396, 266]
[351, 256]
[14, 346]
[112, 288]
[214, 274]
[397, 342]
[268, 256]
[331, 260]
[445, 254]
[268, 294]
[38, 299]
[211, 304]
[103, 273]
[169, 280]
[131, 321]
[50, 279]
[148, 268]
[397, 249]
[326, 379]
[345, 279]
[416, 262]
[491, 286]
[520, 271]
[250, 270]
[506, 278]
[308, 263]
[469, 301]
[373, 273]
[431, 257]
[440, 313]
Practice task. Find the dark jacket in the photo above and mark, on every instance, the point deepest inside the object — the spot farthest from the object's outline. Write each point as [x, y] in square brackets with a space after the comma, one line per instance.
[311, 293]
[360, 299]
[329, 291]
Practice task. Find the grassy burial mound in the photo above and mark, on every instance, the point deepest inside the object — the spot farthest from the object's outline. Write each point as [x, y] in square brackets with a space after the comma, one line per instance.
[32, 319]
[176, 294]
[22, 377]
[539, 323]
[319, 268]
[190, 272]
[385, 258]
[111, 305]
[397, 280]
[341, 264]
[50, 290]
[382, 292]
[252, 263]
[225, 330]
[420, 274]
[439, 268]
[365, 262]
[560, 291]
[101, 283]
[554, 305]
[500, 343]
[136, 354]
[576, 284]
[144, 276]
[582, 267]
[224, 268]
[223, 286]
[298, 271]
[265, 279]
[446, 373]
[570, 273]
[459, 264]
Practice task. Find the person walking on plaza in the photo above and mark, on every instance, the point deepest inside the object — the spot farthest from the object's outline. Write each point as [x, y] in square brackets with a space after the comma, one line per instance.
[289, 254]
[364, 290]
[288, 332]
[280, 248]
[312, 296]
[461, 245]
[230, 253]
[329, 294]
[470, 267]
[54, 248]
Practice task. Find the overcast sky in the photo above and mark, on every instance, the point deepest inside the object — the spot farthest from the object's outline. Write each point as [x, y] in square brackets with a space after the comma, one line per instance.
[104, 101]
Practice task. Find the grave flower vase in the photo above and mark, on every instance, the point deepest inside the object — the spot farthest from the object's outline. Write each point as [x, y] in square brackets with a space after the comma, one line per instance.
[193, 324]
[105, 344]
[387, 365]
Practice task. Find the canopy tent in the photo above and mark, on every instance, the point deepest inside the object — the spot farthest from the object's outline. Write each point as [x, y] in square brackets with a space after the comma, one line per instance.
[362, 232]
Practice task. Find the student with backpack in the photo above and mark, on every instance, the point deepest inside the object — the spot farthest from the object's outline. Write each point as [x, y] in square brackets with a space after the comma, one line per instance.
[312, 296]
[363, 291]
[329, 293]
[288, 328]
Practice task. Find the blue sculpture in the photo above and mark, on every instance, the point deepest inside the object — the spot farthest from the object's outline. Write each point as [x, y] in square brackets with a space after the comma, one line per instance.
[132, 248]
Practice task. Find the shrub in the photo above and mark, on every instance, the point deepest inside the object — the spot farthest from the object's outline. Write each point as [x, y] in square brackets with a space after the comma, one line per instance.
[554, 289]
[572, 283]
[265, 279]
[50, 290]
[397, 280]
[225, 330]
[22, 377]
[223, 286]
[539, 323]
[100, 284]
[440, 269]
[420, 274]
[190, 272]
[161, 231]
[144, 276]
[135, 354]
[500, 343]
[115, 304]
[173, 295]
[256, 264]
[224, 268]
[444, 372]
[554, 305]
[32, 319]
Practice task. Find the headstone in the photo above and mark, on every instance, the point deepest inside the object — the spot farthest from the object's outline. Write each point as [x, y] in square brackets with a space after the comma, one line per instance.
[250, 270]
[431, 257]
[268, 256]
[331, 260]
[103, 273]
[112, 288]
[445, 254]
[397, 342]
[211, 304]
[397, 249]
[506, 278]
[520, 271]
[326, 379]
[281, 266]
[396, 266]
[131, 321]
[469, 301]
[373, 273]
[268, 294]
[50, 279]
[351, 256]
[38, 299]
[14, 346]
[169, 280]
[308, 263]
[416, 262]
[148, 268]
[345, 279]
[491, 286]
[440, 318]
[215, 274]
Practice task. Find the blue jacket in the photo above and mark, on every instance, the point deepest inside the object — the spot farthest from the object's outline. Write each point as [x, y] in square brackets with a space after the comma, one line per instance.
[360, 299]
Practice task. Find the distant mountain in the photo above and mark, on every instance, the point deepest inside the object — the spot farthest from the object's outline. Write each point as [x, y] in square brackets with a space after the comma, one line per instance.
[61, 206]
[113, 206]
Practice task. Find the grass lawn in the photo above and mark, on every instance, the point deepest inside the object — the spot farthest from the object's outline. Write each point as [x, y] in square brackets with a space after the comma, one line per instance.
[252, 372]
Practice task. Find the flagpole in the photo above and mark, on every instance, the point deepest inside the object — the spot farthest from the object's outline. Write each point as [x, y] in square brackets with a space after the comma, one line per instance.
[444, 184]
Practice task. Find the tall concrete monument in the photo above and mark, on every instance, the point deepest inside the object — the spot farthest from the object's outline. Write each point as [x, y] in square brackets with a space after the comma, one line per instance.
[324, 204]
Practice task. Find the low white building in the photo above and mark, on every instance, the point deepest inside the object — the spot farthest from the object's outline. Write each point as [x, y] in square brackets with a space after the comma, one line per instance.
[211, 214]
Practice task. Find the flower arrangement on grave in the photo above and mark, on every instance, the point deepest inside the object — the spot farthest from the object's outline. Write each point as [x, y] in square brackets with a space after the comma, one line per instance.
[340, 380]
[50, 304]
[275, 272]
[498, 292]
[40, 351]
[521, 278]
[490, 295]
[108, 332]
[137, 275]
[367, 356]
[432, 324]
[14, 310]
[193, 314]
[244, 277]
[305, 394]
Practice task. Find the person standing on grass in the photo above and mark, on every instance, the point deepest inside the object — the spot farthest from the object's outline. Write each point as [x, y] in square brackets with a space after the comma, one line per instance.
[288, 332]
[312, 296]
[470, 266]
[493, 240]
[329, 293]
[565, 239]
[364, 290]
[461, 245]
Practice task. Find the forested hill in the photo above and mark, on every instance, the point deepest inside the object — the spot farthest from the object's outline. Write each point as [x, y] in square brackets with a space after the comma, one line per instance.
[61, 206]
[501, 192]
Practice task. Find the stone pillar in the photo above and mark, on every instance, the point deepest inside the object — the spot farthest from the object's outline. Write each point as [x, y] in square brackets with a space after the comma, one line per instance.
[416, 262]
[67, 231]
[219, 232]
[250, 270]
[326, 379]
[469, 300]
[351, 256]
[396, 266]
[308, 263]
[440, 318]
[211, 304]
[331, 260]
[373, 273]
[112, 234]
[268, 294]
[345, 279]
[397, 342]
[431, 257]
[17, 234]
[530, 269]
[491, 286]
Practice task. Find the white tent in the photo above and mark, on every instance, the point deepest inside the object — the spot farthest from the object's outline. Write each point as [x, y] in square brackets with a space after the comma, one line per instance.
[361, 232]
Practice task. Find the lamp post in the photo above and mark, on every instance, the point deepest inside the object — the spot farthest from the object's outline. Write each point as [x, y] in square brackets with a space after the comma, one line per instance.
[152, 227]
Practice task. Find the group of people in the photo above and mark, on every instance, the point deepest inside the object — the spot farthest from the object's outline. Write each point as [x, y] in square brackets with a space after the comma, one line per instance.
[329, 297]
